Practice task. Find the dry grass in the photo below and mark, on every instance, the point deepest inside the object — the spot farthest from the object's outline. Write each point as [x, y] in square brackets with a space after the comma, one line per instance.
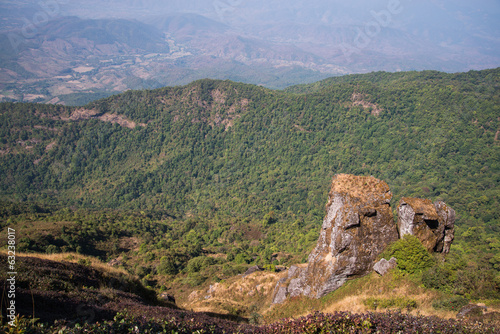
[352, 295]
[238, 295]
[75, 258]
[387, 287]
[361, 187]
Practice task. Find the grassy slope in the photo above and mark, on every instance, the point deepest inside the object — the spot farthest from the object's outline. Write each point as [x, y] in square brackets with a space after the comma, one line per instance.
[75, 289]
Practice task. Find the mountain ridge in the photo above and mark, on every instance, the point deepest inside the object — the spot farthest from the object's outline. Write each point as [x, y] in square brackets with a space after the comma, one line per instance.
[242, 42]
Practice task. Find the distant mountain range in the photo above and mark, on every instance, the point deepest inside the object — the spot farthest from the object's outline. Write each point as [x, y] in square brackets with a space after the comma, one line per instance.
[55, 51]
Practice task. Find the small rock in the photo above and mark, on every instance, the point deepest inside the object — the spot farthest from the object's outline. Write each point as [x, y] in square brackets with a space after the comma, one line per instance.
[213, 288]
[166, 297]
[193, 296]
[253, 269]
[115, 262]
[280, 296]
[383, 266]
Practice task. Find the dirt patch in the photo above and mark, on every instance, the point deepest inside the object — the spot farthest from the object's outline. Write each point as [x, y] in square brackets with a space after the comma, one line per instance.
[218, 96]
[301, 128]
[119, 119]
[129, 243]
[83, 114]
[358, 99]
[237, 294]
[50, 146]
[46, 128]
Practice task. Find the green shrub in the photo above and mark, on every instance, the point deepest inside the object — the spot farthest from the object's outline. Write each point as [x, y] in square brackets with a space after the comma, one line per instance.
[141, 271]
[229, 270]
[454, 303]
[242, 258]
[384, 303]
[85, 262]
[199, 263]
[270, 267]
[411, 255]
[269, 219]
[195, 279]
[51, 249]
[437, 277]
[167, 266]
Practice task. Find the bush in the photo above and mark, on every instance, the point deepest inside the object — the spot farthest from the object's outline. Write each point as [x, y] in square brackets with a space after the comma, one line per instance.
[199, 263]
[437, 277]
[384, 303]
[476, 281]
[454, 303]
[85, 262]
[229, 270]
[167, 266]
[270, 267]
[51, 249]
[242, 258]
[195, 279]
[411, 255]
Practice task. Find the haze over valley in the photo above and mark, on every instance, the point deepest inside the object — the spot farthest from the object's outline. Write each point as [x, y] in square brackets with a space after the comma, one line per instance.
[52, 49]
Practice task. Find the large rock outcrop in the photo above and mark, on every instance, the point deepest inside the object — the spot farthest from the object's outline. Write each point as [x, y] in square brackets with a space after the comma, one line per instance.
[432, 223]
[358, 226]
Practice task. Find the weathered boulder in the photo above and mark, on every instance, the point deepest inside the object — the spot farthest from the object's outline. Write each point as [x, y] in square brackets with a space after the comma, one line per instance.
[432, 223]
[358, 226]
[383, 266]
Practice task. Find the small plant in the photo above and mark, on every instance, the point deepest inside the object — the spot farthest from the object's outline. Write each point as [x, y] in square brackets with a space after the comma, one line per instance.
[21, 325]
[270, 267]
[437, 277]
[85, 262]
[255, 318]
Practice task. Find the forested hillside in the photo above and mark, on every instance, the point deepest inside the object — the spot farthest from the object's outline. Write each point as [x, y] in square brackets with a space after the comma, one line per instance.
[241, 170]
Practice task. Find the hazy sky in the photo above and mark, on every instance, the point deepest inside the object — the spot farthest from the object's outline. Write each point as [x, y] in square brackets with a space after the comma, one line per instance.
[442, 19]
[428, 11]
[438, 19]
